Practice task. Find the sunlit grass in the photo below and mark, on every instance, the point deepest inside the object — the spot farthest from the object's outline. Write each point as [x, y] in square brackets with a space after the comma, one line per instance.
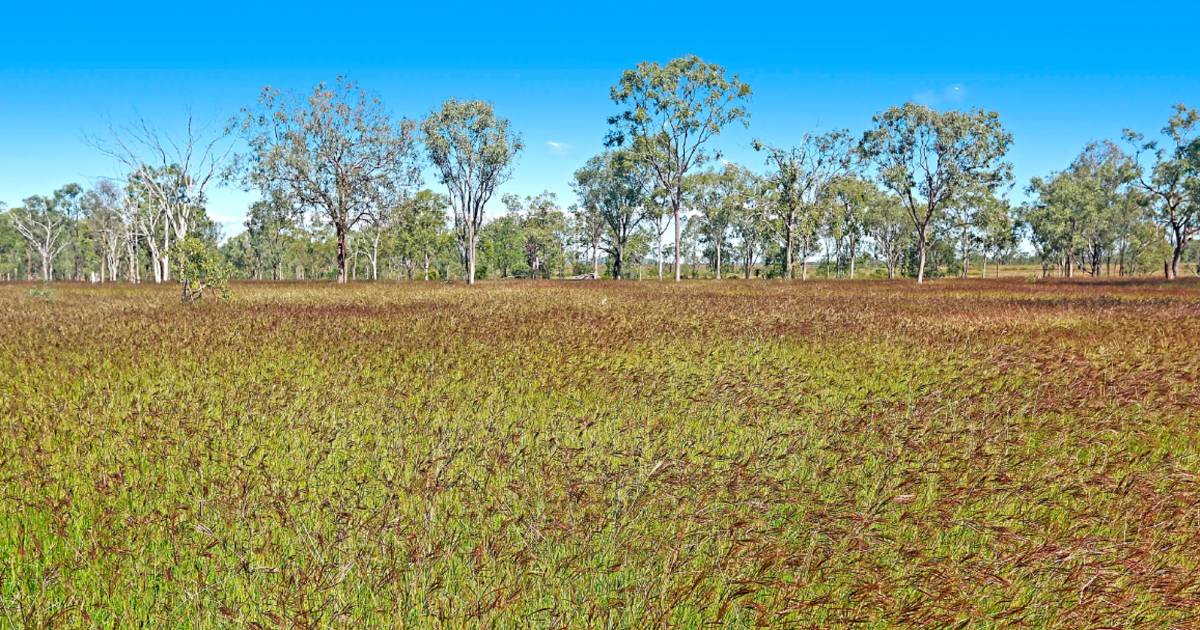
[602, 454]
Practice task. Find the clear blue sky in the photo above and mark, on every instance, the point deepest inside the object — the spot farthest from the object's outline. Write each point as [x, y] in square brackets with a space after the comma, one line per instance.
[1060, 74]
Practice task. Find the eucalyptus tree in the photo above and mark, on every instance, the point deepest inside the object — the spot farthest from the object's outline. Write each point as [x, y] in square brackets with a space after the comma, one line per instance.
[1131, 213]
[42, 223]
[103, 206]
[719, 197]
[712, 217]
[637, 250]
[1099, 204]
[670, 113]
[588, 226]
[14, 249]
[961, 222]
[474, 152]
[980, 222]
[888, 226]
[997, 230]
[852, 201]
[618, 187]
[660, 222]
[502, 242]
[1173, 179]
[692, 235]
[419, 227]
[133, 239]
[1147, 246]
[69, 201]
[170, 174]
[928, 157]
[1080, 213]
[801, 174]
[335, 152]
[542, 226]
[149, 217]
[267, 224]
[377, 224]
[1052, 219]
[749, 200]
[1103, 173]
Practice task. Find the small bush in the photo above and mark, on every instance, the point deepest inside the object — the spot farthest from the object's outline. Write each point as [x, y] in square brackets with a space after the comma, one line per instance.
[199, 267]
[44, 292]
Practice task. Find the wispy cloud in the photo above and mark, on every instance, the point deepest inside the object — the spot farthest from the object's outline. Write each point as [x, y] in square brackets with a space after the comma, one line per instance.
[558, 148]
[951, 94]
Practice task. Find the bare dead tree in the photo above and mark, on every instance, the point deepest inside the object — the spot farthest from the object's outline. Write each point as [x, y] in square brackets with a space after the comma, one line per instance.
[171, 172]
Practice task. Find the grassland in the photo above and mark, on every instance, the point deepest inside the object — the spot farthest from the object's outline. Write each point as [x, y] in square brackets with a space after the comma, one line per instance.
[975, 453]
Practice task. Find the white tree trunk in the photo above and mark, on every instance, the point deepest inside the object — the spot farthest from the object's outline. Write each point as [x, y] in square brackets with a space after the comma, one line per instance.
[470, 255]
[853, 255]
[47, 266]
[677, 244]
[375, 256]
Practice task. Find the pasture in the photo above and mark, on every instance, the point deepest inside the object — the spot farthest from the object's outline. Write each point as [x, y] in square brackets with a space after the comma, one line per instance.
[602, 454]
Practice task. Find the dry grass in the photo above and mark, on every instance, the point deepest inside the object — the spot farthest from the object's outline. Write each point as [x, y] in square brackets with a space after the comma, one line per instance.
[972, 453]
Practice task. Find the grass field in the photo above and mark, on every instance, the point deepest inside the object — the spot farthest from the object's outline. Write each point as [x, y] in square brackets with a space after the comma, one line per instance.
[983, 453]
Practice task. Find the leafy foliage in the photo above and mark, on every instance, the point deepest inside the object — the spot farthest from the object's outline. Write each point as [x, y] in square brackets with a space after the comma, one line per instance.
[198, 268]
[617, 188]
[928, 158]
[473, 151]
[335, 152]
[670, 113]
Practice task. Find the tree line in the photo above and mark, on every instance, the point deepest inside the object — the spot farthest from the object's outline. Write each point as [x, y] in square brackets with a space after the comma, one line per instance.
[920, 193]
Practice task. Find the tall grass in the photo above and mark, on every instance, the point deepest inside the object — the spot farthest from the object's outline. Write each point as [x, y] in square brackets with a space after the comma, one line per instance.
[602, 455]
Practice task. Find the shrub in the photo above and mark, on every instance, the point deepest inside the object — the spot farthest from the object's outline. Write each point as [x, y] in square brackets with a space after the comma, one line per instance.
[199, 267]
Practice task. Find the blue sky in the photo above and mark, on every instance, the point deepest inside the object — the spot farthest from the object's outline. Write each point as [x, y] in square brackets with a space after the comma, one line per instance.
[1059, 74]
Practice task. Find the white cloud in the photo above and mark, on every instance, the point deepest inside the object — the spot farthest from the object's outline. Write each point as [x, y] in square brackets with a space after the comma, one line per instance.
[951, 94]
[558, 148]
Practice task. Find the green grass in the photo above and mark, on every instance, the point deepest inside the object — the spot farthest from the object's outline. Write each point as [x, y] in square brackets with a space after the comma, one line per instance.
[984, 453]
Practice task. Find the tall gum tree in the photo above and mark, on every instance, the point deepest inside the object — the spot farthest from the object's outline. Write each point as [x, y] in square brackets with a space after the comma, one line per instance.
[927, 157]
[162, 199]
[851, 203]
[670, 113]
[801, 174]
[1078, 214]
[1051, 220]
[474, 152]
[102, 206]
[419, 226]
[748, 199]
[335, 152]
[1173, 180]
[618, 188]
[888, 227]
[1105, 173]
[588, 228]
[714, 196]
